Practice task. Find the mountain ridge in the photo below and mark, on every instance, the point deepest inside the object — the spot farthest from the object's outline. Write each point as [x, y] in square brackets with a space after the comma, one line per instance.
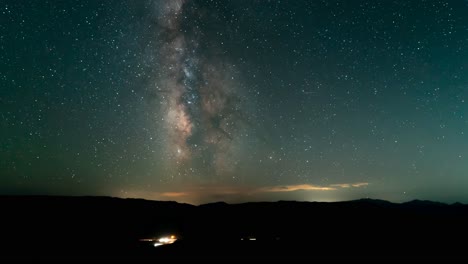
[217, 203]
[114, 227]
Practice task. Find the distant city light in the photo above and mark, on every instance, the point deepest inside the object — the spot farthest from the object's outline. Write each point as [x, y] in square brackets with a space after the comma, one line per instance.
[167, 240]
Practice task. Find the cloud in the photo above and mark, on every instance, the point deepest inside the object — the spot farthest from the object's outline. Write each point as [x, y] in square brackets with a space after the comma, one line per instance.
[349, 185]
[311, 187]
[174, 194]
[299, 187]
[242, 191]
[209, 193]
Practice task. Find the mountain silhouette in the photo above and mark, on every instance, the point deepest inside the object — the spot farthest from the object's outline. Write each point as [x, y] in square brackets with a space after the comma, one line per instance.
[89, 228]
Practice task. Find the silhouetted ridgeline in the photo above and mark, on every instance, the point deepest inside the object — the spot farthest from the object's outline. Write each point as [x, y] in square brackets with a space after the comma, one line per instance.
[102, 227]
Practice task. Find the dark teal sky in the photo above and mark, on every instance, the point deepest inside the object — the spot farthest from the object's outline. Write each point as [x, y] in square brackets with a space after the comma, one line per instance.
[198, 101]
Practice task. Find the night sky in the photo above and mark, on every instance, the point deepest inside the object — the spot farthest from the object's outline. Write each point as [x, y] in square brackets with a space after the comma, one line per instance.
[200, 101]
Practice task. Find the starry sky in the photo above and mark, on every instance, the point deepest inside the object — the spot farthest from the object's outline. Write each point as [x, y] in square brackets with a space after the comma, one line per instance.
[235, 100]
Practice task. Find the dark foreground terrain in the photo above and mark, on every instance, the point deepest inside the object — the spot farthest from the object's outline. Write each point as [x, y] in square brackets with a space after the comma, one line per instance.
[90, 228]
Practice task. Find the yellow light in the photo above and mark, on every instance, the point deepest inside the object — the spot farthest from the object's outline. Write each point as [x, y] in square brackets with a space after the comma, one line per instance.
[167, 240]
[164, 240]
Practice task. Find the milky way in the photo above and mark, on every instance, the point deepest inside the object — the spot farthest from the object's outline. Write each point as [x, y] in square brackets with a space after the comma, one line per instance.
[235, 100]
[203, 108]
